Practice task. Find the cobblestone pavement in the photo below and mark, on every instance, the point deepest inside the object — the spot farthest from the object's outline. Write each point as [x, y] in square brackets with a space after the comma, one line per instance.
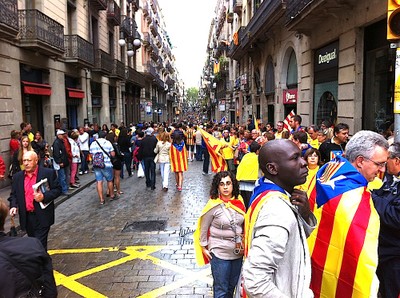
[137, 246]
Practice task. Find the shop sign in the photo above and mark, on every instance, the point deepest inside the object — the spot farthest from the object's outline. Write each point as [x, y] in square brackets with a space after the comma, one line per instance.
[290, 96]
[327, 57]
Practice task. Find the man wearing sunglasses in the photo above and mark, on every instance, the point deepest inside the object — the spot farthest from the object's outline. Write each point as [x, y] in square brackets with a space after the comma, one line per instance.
[387, 203]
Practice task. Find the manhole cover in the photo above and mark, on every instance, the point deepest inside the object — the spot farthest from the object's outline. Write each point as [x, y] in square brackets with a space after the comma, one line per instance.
[186, 236]
[145, 226]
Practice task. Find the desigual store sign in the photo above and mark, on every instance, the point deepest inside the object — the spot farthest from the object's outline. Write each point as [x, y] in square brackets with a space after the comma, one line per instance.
[290, 96]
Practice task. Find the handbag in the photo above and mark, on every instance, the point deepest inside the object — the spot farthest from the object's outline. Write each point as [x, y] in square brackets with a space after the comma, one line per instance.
[13, 230]
[140, 172]
[36, 290]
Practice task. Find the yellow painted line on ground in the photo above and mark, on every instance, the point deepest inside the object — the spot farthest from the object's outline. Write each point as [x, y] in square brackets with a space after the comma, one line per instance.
[75, 286]
[200, 275]
[133, 252]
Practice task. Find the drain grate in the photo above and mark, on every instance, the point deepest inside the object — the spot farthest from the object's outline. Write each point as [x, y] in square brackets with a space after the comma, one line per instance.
[186, 236]
[145, 226]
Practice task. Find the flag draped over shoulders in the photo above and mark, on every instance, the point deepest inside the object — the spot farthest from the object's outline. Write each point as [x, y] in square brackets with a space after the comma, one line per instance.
[178, 157]
[343, 247]
[235, 204]
[213, 145]
[263, 190]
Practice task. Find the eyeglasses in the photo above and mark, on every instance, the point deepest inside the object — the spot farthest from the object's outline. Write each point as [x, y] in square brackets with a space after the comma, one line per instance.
[228, 183]
[378, 164]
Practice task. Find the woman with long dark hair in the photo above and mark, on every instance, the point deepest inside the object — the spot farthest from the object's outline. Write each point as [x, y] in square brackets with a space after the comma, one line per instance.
[179, 157]
[220, 232]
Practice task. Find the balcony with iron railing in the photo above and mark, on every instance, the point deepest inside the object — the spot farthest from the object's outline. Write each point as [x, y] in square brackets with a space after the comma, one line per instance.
[135, 5]
[268, 15]
[145, 9]
[9, 18]
[235, 51]
[159, 41]
[154, 53]
[98, 4]
[237, 6]
[154, 29]
[118, 69]
[39, 32]
[150, 71]
[305, 15]
[78, 51]
[113, 13]
[103, 62]
[135, 77]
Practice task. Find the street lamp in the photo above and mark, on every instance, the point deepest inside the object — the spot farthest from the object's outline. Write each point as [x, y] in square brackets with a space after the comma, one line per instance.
[129, 35]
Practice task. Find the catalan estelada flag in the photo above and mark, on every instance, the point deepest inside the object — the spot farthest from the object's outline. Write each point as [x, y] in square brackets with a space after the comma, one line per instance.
[235, 204]
[213, 145]
[344, 246]
[178, 157]
[287, 120]
[261, 193]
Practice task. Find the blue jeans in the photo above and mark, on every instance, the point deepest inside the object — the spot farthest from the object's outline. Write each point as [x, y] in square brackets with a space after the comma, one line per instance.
[128, 163]
[206, 161]
[62, 179]
[84, 163]
[150, 171]
[199, 153]
[226, 275]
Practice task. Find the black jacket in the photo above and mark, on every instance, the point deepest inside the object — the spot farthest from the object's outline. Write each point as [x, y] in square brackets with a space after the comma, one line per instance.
[387, 204]
[30, 255]
[17, 197]
[60, 152]
[147, 146]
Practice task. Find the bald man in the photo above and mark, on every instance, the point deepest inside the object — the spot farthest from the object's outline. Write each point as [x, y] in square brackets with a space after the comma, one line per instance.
[34, 218]
[279, 220]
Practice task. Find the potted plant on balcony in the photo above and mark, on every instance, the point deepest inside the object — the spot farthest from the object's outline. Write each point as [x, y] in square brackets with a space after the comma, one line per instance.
[229, 17]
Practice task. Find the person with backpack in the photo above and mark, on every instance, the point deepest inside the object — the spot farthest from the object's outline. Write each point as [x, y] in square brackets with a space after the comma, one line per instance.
[101, 150]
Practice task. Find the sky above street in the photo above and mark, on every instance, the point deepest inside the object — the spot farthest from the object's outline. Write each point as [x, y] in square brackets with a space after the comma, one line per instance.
[188, 24]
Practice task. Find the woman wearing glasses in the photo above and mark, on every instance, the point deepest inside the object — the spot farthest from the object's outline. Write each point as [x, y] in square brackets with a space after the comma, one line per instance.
[219, 234]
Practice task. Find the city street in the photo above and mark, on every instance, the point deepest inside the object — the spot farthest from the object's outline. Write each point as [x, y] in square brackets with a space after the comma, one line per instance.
[137, 246]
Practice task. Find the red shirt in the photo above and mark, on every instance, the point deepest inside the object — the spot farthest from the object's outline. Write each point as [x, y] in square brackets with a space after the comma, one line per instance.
[28, 182]
[14, 146]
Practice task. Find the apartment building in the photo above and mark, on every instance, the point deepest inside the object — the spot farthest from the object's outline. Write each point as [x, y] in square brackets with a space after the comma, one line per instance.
[68, 63]
[324, 59]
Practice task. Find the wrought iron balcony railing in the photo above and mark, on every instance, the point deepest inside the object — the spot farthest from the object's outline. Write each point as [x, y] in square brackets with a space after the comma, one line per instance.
[118, 69]
[113, 13]
[135, 77]
[237, 6]
[102, 62]
[135, 5]
[78, 50]
[38, 31]
[294, 9]
[150, 70]
[98, 4]
[9, 18]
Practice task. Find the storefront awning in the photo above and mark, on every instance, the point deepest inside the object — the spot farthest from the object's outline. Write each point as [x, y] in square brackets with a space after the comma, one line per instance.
[35, 88]
[75, 93]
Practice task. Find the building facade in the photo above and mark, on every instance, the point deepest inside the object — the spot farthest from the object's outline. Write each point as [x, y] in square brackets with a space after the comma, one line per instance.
[65, 64]
[325, 59]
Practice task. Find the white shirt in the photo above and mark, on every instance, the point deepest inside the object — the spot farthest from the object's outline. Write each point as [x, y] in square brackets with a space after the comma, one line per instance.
[83, 141]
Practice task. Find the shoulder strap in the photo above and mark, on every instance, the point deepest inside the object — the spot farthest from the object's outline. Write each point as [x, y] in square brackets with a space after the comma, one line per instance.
[103, 150]
[16, 265]
[231, 221]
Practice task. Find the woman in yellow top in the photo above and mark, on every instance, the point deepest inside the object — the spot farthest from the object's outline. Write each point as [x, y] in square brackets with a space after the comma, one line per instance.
[219, 234]
[247, 172]
[313, 159]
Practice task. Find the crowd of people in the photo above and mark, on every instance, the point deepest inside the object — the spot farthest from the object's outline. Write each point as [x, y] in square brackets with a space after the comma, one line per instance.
[315, 206]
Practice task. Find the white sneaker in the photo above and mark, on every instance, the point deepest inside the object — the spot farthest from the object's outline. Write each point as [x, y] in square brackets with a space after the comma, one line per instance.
[80, 173]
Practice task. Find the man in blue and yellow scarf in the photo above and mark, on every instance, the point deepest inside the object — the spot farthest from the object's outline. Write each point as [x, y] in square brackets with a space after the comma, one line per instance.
[278, 221]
